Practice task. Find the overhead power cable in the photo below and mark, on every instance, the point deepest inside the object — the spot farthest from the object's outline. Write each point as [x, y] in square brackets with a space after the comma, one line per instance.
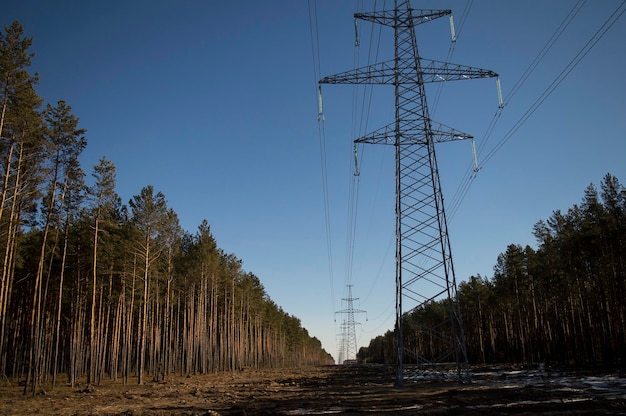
[353, 183]
[455, 33]
[599, 34]
[315, 52]
[471, 171]
[546, 48]
[361, 107]
[602, 30]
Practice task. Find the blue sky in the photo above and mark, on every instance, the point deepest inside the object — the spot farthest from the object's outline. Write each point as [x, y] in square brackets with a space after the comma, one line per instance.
[214, 104]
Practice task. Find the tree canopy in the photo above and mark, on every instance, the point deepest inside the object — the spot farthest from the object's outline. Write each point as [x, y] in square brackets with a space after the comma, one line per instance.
[94, 288]
[562, 302]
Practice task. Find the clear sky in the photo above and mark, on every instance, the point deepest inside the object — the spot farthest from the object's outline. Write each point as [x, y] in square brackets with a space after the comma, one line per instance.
[214, 104]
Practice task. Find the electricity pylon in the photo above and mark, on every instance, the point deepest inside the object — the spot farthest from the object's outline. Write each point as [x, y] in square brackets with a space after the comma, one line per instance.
[349, 347]
[424, 268]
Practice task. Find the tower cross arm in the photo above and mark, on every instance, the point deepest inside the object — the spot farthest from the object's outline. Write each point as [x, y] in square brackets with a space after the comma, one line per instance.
[378, 73]
[438, 71]
[383, 135]
[407, 71]
[406, 18]
[442, 133]
[351, 311]
[413, 132]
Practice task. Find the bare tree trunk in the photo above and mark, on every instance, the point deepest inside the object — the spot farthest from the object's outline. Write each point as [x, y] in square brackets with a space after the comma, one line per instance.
[144, 326]
[98, 343]
[94, 277]
[155, 332]
[6, 280]
[129, 324]
[8, 287]
[60, 303]
[77, 354]
[231, 326]
[214, 324]
[33, 371]
[104, 338]
[131, 318]
[185, 366]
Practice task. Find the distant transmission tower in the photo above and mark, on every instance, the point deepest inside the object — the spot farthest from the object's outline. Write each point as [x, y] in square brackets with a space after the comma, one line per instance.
[348, 343]
[424, 269]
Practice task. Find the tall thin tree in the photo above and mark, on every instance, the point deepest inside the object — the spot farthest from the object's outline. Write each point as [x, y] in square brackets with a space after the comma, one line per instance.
[105, 197]
[65, 141]
[149, 211]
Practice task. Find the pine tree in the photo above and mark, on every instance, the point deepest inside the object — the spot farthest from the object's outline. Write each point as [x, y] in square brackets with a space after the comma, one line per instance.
[104, 200]
[149, 213]
[20, 141]
[72, 199]
[65, 142]
[15, 58]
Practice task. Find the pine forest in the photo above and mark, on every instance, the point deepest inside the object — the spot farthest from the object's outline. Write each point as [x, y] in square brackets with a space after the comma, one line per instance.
[563, 303]
[93, 288]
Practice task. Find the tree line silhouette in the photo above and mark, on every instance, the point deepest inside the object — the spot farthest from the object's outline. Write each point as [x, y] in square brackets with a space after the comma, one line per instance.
[562, 303]
[94, 288]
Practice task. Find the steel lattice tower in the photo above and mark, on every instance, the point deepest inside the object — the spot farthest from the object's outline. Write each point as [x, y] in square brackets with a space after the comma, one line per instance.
[349, 346]
[424, 268]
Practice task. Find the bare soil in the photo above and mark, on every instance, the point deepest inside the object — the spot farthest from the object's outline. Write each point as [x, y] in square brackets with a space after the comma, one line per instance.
[342, 390]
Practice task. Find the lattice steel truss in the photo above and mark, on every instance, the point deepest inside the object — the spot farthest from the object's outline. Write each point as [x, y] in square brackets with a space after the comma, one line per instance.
[424, 268]
[349, 345]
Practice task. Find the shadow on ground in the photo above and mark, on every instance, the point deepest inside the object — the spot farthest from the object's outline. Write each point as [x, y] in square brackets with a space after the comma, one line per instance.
[341, 390]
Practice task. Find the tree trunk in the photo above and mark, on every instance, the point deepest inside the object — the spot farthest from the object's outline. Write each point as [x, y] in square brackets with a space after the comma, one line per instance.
[6, 279]
[143, 329]
[94, 283]
[60, 302]
[35, 320]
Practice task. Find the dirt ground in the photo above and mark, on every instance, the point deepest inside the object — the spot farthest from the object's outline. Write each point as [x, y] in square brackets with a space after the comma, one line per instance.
[342, 390]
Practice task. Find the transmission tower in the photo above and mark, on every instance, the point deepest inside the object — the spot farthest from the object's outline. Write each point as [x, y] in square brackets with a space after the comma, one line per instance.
[424, 268]
[348, 344]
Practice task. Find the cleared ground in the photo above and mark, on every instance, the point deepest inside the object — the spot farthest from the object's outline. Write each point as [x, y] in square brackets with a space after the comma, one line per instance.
[342, 390]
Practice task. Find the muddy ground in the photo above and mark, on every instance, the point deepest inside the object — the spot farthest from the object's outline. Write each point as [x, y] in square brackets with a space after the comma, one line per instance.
[342, 390]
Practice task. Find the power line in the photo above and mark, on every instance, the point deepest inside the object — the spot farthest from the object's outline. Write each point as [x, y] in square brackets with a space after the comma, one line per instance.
[360, 121]
[455, 34]
[349, 342]
[599, 34]
[463, 189]
[421, 229]
[316, 60]
[366, 105]
[353, 183]
[470, 173]
[382, 263]
[388, 313]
